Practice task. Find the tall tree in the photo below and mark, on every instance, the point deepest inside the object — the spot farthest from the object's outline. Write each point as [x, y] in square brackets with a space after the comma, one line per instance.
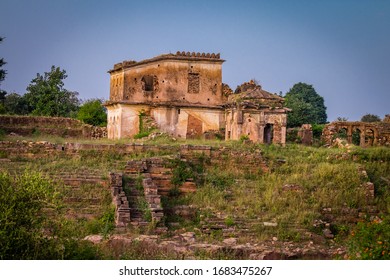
[306, 104]
[2, 76]
[46, 95]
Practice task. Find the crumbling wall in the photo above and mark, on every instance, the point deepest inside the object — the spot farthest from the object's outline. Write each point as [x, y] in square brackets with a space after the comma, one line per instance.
[56, 126]
[120, 201]
[368, 134]
[305, 133]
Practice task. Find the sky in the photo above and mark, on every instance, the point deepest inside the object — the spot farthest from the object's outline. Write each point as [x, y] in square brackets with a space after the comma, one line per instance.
[341, 47]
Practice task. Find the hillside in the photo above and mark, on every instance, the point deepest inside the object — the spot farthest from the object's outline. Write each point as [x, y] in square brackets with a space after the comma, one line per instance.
[214, 199]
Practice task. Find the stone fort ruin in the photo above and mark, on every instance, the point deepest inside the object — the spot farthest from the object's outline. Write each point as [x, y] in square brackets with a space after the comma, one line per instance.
[359, 133]
[184, 95]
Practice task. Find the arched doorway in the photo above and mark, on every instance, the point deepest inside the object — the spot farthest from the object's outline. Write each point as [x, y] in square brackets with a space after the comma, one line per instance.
[342, 133]
[356, 137]
[268, 133]
[369, 137]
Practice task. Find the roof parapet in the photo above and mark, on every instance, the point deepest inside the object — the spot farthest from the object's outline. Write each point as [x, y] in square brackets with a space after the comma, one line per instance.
[180, 55]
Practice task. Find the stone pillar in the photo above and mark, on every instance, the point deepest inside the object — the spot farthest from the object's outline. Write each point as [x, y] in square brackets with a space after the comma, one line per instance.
[261, 127]
[306, 134]
[283, 136]
[349, 135]
[363, 136]
[375, 141]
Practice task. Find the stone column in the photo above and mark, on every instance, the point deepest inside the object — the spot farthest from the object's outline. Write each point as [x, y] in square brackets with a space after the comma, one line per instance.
[375, 141]
[261, 126]
[363, 136]
[283, 132]
[349, 135]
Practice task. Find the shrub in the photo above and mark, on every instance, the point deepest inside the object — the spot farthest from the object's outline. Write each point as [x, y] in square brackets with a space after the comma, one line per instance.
[370, 241]
[92, 112]
[24, 203]
[317, 130]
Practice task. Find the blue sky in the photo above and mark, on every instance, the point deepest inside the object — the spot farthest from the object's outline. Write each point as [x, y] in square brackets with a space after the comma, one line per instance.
[341, 47]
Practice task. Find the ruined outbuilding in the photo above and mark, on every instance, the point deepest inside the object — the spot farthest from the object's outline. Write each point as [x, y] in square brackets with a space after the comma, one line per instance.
[359, 133]
[256, 113]
[184, 95]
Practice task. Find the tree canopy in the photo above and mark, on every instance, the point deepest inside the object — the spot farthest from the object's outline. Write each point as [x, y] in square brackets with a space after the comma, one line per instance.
[46, 95]
[15, 104]
[92, 112]
[370, 118]
[306, 104]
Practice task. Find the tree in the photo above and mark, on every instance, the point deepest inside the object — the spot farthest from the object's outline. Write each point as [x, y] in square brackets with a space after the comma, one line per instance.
[15, 104]
[92, 112]
[342, 119]
[370, 118]
[306, 104]
[46, 95]
[2, 76]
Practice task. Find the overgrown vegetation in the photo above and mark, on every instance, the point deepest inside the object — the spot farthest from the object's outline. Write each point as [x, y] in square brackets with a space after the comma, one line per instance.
[31, 221]
[322, 178]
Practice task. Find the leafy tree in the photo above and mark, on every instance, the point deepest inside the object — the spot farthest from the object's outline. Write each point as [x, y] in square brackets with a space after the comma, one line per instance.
[92, 112]
[46, 95]
[2, 76]
[306, 104]
[15, 104]
[370, 118]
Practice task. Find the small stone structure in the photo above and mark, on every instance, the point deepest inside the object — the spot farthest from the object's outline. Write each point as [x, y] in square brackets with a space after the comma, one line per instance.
[257, 114]
[56, 126]
[185, 96]
[362, 133]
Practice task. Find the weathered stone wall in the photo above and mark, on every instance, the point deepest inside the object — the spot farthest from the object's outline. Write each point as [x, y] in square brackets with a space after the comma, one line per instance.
[305, 133]
[253, 123]
[119, 199]
[63, 127]
[182, 77]
[174, 89]
[248, 160]
[370, 134]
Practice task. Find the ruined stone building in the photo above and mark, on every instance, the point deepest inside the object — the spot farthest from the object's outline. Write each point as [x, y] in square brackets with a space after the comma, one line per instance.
[184, 95]
[359, 133]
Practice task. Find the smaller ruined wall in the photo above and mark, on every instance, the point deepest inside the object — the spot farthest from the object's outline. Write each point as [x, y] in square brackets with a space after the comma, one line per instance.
[56, 126]
[305, 133]
[252, 123]
[371, 134]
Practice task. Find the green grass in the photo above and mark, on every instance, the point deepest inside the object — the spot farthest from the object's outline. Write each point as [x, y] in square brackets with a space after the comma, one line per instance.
[326, 178]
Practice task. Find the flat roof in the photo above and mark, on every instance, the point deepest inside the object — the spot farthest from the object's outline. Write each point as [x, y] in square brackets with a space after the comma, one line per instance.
[186, 56]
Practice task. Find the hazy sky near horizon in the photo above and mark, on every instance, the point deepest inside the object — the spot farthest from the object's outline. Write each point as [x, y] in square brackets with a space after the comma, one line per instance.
[341, 47]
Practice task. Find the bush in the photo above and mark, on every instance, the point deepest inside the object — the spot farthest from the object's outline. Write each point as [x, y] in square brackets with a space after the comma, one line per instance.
[92, 112]
[317, 130]
[31, 224]
[370, 241]
[24, 205]
[292, 135]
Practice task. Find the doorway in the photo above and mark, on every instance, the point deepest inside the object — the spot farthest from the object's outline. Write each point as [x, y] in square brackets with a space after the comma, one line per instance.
[268, 133]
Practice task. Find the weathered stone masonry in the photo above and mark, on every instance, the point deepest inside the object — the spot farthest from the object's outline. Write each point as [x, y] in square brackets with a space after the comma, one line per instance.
[184, 94]
[55, 126]
[368, 134]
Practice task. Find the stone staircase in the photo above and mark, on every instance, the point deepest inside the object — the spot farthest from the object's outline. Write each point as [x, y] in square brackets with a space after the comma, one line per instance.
[136, 196]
